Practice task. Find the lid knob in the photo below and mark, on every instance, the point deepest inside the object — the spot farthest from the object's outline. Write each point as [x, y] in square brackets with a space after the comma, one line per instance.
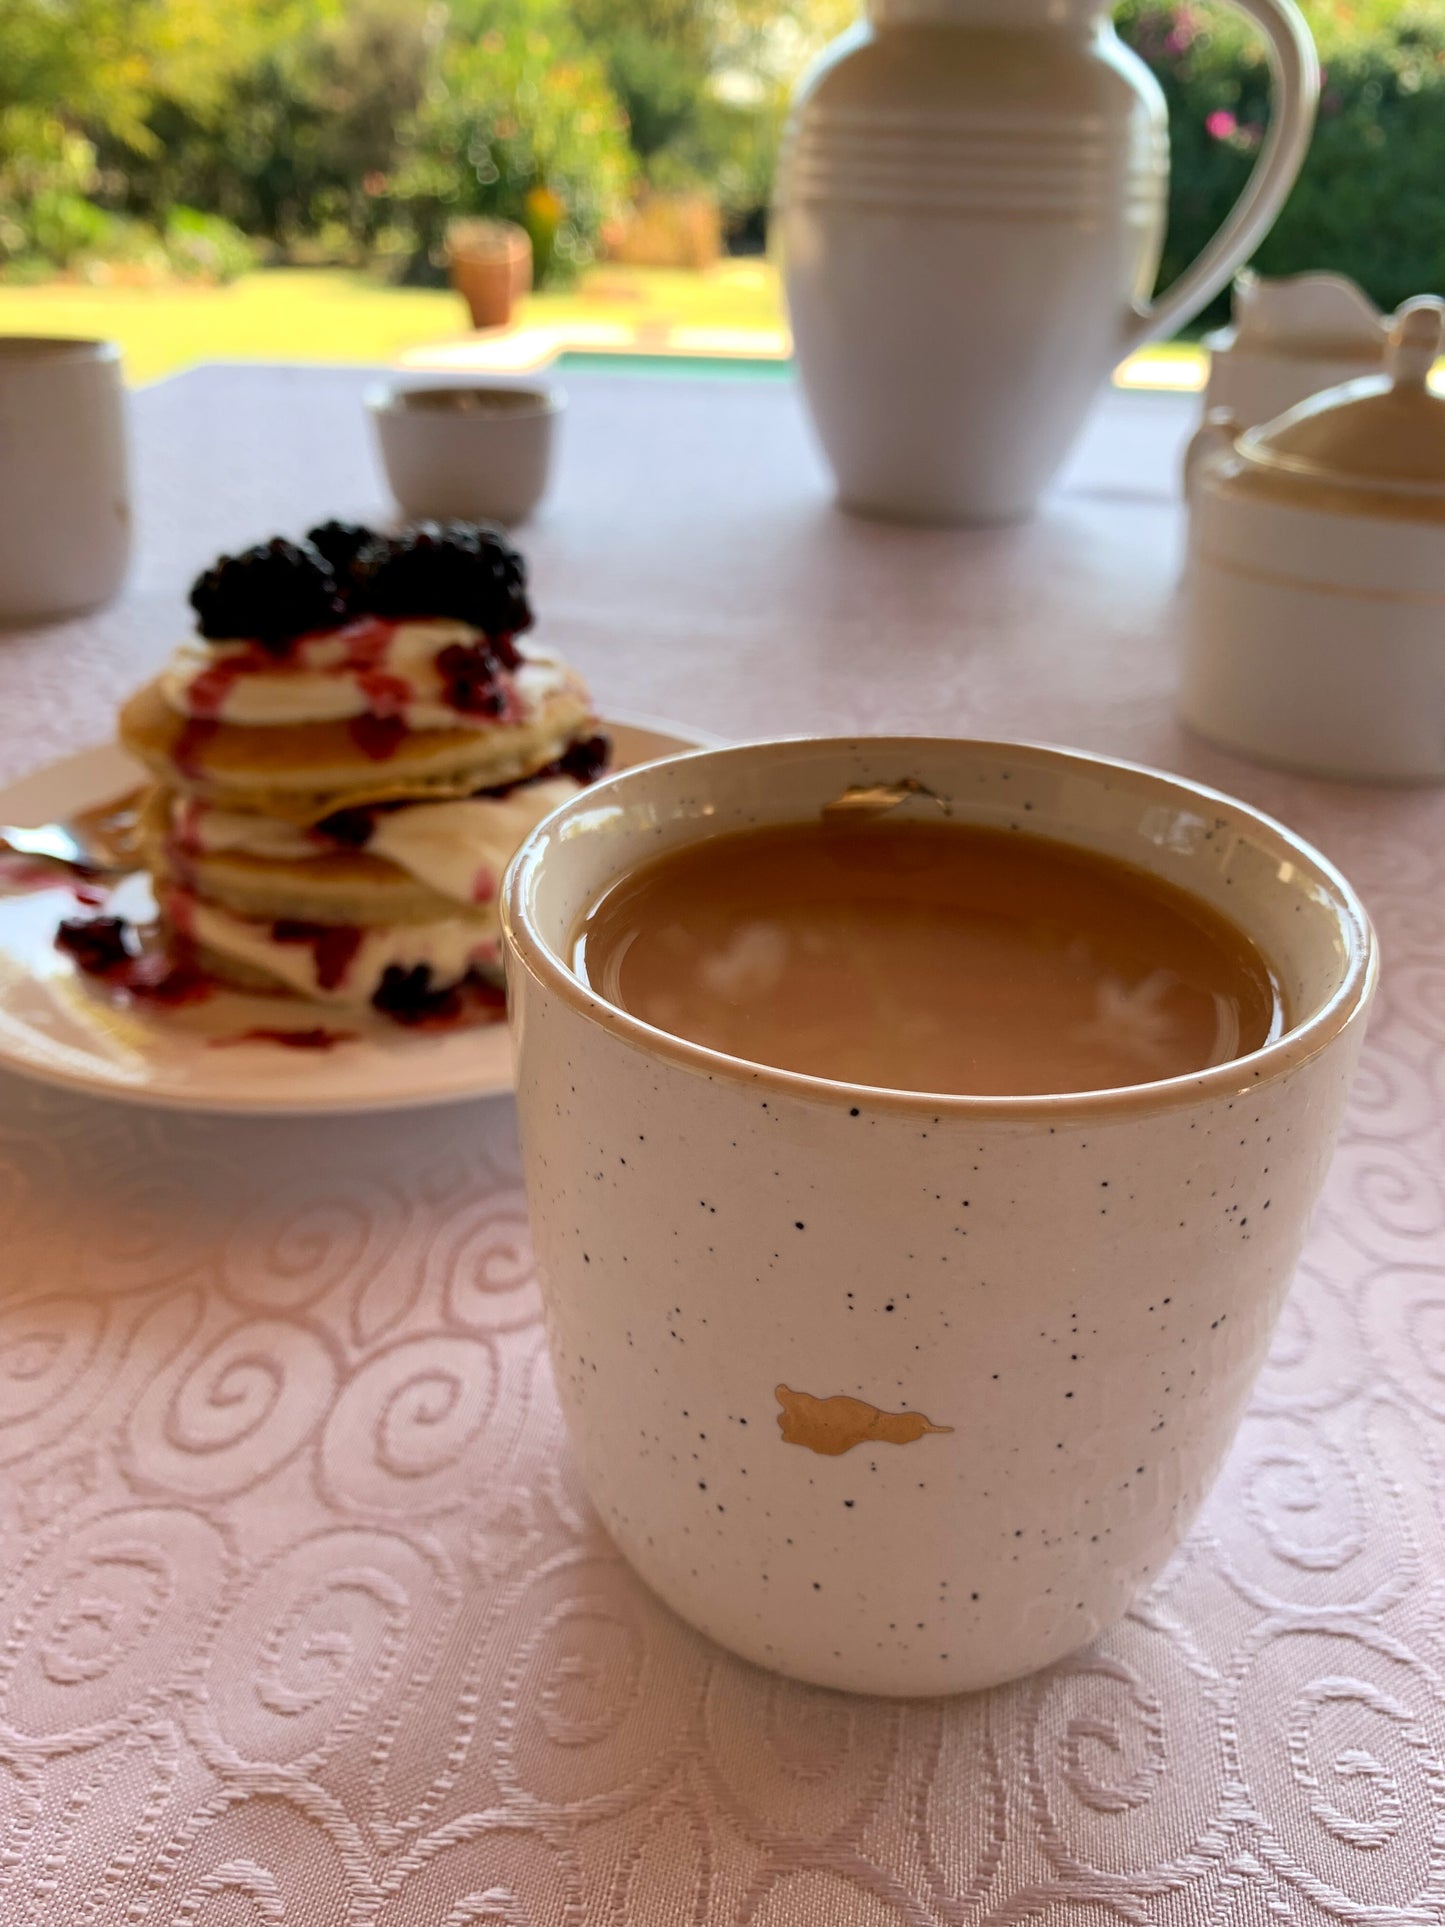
[1415, 340]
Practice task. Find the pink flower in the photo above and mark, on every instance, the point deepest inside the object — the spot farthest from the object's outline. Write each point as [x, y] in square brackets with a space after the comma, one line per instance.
[1184, 32]
[1221, 125]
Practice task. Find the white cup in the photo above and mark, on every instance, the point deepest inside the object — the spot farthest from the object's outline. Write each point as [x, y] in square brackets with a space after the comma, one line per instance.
[1080, 1288]
[481, 451]
[65, 515]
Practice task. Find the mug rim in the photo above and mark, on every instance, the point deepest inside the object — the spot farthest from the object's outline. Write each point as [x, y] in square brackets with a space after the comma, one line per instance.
[392, 398]
[37, 348]
[1237, 1076]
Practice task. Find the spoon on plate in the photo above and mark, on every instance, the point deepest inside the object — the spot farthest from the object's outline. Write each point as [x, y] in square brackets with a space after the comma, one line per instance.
[97, 842]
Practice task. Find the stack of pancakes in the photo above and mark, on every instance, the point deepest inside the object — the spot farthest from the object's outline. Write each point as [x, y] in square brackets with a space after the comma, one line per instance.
[347, 757]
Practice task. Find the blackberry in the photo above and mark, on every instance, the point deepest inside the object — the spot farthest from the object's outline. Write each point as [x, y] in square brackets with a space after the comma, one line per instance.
[98, 945]
[270, 595]
[341, 543]
[463, 569]
[407, 996]
[584, 761]
[352, 825]
[471, 676]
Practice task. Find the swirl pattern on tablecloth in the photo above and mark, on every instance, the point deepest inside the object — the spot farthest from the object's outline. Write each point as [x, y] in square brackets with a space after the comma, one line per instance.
[1335, 1736]
[234, 1410]
[601, 1696]
[102, 1624]
[305, 1617]
[408, 1434]
[300, 1242]
[1100, 1754]
[792, 1762]
[47, 1346]
[305, 1655]
[297, 1520]
[484, 1266]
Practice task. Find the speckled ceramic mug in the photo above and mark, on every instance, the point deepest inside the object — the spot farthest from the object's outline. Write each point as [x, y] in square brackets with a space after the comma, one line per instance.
[900, 1393]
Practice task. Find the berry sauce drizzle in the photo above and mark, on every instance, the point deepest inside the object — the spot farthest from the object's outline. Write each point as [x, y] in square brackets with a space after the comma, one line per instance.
[333, 946]
[206, 695]
[387, 694]
[139, 966]
[364, 643]
[378, 737]
[195, 733]
[367, 642]
[316, 1038]
[112, 951]
[476, 682]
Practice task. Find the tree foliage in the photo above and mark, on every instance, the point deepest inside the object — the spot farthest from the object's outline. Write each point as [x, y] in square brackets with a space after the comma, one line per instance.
[1368, 200]
[517, 122]
[163, 131]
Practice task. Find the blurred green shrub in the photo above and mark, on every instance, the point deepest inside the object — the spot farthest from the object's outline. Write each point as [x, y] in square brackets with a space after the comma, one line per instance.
[705, 86]
[179, 136]
[205, 247]
[50, 217]
[1368, 202]
[517, 124]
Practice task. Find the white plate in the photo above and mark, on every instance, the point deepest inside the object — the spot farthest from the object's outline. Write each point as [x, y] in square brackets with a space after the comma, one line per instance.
[56, 1026]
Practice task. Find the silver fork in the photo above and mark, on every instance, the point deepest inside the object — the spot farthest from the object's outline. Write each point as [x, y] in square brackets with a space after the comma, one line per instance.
[100, 841]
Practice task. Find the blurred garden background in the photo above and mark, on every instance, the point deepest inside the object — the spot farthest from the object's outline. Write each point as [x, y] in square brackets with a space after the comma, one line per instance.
[290, 179]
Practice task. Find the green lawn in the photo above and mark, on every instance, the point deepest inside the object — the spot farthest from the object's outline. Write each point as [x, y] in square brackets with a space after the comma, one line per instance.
[283, 315]
[329, 314]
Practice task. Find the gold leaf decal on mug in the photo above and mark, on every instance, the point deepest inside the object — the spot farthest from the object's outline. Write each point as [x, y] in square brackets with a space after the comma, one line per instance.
[835, 1425]
[877, 799]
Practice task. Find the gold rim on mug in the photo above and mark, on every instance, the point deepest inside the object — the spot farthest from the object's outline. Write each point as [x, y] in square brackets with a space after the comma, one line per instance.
[455, 400]
[1238, 1075]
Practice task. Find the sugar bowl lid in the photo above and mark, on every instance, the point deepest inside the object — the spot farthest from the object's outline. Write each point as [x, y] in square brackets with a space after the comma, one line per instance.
[1381, 436]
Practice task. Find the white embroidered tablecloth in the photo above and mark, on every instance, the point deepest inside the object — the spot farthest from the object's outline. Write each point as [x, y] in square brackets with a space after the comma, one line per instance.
[303, 1618]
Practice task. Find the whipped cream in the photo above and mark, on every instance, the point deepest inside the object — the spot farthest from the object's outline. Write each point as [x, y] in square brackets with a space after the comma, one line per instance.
[450, 948]
[370, 667]
[461, 849]
[458, 849]
[199, 829]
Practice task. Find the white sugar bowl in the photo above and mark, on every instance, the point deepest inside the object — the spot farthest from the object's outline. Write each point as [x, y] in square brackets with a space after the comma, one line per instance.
[1314, 592]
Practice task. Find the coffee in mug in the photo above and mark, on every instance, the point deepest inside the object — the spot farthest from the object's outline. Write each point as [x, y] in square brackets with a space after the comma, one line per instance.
[929, 956]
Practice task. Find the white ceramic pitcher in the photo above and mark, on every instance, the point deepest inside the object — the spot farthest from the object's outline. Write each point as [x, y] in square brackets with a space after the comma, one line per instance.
[971, 208]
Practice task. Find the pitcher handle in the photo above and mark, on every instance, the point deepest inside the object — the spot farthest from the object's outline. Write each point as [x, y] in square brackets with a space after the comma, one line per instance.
[1295, 68]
